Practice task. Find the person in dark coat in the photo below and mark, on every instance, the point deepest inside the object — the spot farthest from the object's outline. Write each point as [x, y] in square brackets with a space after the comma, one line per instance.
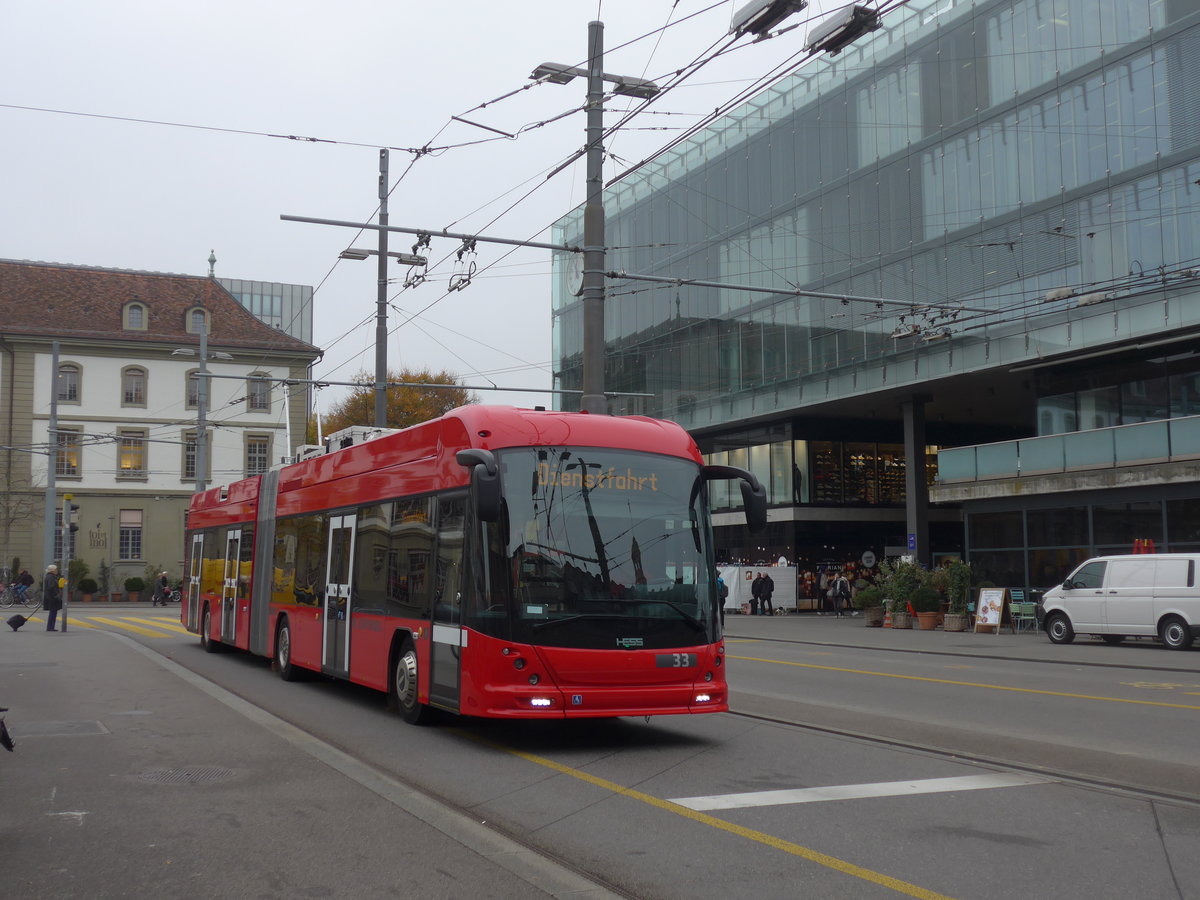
[765, 590]
[755, 593]
[51, 596]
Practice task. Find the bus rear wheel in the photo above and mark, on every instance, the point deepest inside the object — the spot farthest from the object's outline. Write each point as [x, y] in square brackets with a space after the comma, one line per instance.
[206, 641]
[283, 653]
[405, 686]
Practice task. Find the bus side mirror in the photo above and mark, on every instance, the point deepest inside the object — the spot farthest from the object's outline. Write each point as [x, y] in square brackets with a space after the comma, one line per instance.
[754, 495]
[485, 482]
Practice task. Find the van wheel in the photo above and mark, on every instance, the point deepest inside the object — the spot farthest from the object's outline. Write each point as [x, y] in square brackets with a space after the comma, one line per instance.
[1058, 629]
[404, 686]
[1112, 638]
[1175, 634]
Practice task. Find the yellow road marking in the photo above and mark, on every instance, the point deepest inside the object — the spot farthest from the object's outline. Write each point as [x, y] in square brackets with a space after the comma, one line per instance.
[168, 624]
[974, 684]
[824, 859]
[136, 629]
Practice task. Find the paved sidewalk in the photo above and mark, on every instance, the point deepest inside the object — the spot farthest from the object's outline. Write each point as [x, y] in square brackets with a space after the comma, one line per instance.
[850, 631]
[132, 777]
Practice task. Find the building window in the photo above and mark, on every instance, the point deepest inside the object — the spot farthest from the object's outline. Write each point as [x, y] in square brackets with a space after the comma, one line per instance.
[131, 454]
[129, 541]
[68, 383]
[135, 317]
[133, 387]
[193, 390]
[258, 454]
[258, 393]
[67, 461]
[189, 456]
[197, 321]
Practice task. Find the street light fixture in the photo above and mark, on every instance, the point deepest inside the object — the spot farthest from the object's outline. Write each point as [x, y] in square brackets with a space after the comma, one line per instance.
[844, 27]
[405, 259]
[761, 16]
[626, 85]
[593, 399]
[202, 403]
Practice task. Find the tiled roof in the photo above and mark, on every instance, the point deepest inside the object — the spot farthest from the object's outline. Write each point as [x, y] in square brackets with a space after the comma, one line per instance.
[53, 300]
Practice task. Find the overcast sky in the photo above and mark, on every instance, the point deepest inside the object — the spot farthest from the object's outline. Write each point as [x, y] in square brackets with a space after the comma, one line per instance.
[221, 76]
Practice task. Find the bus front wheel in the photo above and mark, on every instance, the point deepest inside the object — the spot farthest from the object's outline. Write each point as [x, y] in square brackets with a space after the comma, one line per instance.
[405, 685]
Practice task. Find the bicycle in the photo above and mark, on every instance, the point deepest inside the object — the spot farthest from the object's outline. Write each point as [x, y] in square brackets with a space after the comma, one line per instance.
[9, 598]
[171, 596]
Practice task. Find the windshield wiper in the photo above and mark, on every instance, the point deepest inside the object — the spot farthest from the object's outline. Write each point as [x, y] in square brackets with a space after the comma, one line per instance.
[692, 620]
[537, 626]
[684, 614]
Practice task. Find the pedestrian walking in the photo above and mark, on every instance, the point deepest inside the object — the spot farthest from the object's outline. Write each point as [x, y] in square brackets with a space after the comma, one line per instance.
[722, 593]
[766, 589]
[51, 596]
[162, 590]
[755, 593]
[841, 594]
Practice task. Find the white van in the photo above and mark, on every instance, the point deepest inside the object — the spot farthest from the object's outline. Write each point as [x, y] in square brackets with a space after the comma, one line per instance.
[1152, 594]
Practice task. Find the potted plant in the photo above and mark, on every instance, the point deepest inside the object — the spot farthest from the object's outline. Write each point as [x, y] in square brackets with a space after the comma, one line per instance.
[958, 593]
[927, 604]
[901, 579]
[870, 600]
[87, 588]
[134, 587]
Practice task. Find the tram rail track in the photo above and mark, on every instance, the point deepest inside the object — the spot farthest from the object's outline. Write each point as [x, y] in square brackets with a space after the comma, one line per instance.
[1052, 773]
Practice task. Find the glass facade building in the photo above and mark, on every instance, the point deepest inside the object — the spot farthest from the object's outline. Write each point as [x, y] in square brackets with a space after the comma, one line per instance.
[939, 214]
[288, 307]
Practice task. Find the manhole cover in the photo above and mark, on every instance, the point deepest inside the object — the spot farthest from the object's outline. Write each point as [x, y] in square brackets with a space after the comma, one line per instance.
[188, 775]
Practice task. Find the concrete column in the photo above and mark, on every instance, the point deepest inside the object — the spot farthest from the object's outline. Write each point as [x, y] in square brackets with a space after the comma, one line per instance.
[916, 489]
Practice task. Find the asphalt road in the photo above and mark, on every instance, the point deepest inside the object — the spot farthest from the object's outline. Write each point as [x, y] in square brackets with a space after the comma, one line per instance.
[866, 764]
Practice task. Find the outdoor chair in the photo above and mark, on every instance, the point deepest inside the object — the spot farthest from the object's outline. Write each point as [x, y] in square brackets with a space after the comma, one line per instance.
[1024, 616]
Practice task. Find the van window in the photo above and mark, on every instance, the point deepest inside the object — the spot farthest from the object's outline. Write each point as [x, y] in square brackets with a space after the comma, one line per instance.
[1174, 573]
[1137, 572]
[1090, 575]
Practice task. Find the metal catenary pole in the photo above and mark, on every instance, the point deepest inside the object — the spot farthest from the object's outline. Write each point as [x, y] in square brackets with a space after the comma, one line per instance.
[593, 399]
[381, 373]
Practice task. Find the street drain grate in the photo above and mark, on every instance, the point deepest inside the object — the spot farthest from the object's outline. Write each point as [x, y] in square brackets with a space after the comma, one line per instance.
[189, 775]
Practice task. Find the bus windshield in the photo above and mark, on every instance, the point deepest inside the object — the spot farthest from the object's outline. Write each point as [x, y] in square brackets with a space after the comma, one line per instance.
[604, 548]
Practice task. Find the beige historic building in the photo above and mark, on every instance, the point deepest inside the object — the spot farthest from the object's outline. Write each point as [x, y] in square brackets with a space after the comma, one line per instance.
[127, 397]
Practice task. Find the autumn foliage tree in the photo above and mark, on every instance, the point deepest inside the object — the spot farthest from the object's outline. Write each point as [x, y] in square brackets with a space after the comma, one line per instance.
[407, 404]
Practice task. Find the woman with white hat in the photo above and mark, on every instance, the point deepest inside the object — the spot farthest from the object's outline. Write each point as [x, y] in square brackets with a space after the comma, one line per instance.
[51, 596]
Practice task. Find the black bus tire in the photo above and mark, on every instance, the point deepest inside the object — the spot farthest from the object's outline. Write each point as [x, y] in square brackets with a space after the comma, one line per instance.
[209, 645]
[283, 652]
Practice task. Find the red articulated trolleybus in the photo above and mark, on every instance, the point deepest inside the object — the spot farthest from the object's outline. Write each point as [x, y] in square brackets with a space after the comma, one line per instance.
[494, 562]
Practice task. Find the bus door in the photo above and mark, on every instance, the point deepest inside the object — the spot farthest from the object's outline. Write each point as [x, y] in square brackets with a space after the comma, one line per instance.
[335, 642]
[195, 566]
[229, 585]
[449, 637]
